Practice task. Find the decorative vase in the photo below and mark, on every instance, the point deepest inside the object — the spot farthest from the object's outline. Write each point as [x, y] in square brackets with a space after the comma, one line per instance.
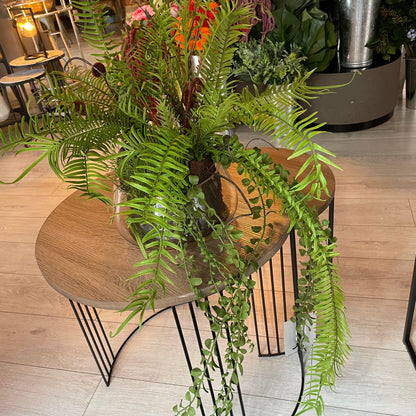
[220, 194]
[411, 83]
[357, 20]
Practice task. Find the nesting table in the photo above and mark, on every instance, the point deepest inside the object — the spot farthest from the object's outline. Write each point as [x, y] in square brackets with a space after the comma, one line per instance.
[16, 81]
[84, 258]
[52, 59]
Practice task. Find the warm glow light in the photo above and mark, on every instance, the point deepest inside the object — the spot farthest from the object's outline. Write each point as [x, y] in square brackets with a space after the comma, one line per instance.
[26, 27]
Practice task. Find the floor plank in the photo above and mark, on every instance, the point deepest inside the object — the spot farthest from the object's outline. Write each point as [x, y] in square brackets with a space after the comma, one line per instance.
[395, 243]
[30, 294]
[34, 391]
[376, 212]
[375, 277]
[376, 380]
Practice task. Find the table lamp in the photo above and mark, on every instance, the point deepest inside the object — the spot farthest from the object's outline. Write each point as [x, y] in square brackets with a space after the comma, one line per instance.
[28, 32]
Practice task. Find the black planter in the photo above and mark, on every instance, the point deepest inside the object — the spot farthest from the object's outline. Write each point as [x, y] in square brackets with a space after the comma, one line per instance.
[368, 100]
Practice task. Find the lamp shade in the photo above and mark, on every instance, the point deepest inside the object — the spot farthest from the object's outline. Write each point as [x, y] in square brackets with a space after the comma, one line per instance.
[26, 27]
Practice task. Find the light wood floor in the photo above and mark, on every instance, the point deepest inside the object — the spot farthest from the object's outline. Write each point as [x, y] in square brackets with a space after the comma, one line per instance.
[46, 368]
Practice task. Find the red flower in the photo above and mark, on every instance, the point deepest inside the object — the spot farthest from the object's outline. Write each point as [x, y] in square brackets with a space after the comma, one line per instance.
[201, 32]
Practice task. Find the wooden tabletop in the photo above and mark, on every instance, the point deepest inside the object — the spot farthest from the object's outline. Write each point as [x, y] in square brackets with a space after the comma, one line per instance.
[21, 62]
[16, 78]
[82, 255]
[280, 156]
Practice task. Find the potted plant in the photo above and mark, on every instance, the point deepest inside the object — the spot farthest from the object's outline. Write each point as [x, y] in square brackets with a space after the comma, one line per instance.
[268, 62]
[397, 28]
[291, 38]
[369, 97]
[149, 118]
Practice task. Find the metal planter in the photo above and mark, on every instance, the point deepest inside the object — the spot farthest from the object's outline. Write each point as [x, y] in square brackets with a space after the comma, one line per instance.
[357, 19]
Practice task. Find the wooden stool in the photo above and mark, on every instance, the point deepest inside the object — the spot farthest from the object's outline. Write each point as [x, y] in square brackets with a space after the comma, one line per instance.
[17, 81]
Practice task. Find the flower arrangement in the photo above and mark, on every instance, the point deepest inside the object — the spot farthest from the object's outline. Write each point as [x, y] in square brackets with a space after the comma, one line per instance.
[396, 27]
[199, 32]
[140, 119]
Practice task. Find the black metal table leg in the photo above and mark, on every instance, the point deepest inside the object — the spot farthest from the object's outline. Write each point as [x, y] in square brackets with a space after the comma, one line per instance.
[268, 308]
[410, 317]
[97, 339]
[200, 345]
[217, 354]
[185, 351]
[271, 317]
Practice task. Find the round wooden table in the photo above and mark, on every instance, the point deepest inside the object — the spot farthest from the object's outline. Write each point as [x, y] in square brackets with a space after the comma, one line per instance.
[83, 257]
[53, 56]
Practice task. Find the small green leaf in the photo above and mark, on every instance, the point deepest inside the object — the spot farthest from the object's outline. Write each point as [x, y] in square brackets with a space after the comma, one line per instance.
[236, 234]
[196, 372]
[193, 179]
[250, 189]
[195, 281]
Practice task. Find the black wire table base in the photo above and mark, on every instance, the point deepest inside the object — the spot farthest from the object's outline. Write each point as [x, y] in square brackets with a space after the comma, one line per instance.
[200, 346]
[97, 338]
[105, 357]
[272, 306]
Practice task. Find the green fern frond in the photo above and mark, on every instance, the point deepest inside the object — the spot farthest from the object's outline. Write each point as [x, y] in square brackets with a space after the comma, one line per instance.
[269, 112]
[322, 290]
[92, 16]
[78, 85]
[217, 57]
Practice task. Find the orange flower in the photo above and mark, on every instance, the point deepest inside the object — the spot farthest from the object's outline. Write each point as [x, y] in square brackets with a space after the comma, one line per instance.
[203, 35]
[201, 32]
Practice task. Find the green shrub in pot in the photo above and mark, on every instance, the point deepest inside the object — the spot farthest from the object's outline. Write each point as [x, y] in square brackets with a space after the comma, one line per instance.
[396, 27]
[303, 36]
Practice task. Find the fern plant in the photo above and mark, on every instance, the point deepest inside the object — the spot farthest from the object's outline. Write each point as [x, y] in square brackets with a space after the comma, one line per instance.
[139, 118]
